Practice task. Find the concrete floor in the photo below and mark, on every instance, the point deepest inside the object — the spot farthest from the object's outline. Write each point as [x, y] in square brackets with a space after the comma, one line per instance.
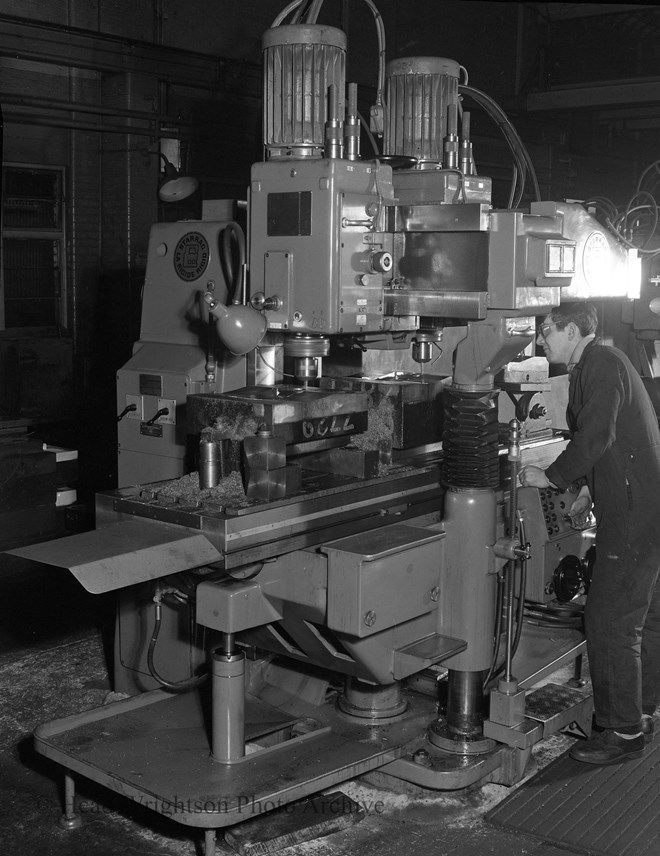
[53, 646]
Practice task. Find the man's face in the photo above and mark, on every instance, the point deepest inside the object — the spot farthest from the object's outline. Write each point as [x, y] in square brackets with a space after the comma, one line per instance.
[557, 344]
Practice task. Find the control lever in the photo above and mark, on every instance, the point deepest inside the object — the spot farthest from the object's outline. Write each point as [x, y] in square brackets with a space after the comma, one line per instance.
[162, 412]
[130, 408]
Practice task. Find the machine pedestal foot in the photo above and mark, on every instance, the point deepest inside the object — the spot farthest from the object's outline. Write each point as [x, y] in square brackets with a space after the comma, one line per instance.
[70, 819]
[577, 681]
[209, 842]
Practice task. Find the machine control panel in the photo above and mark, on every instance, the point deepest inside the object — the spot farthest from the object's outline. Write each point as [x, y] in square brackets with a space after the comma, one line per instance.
[555, 505]
[555, 544]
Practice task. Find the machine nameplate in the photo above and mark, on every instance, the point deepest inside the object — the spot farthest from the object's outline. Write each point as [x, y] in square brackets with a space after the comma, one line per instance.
[191, 256]
[151, 430]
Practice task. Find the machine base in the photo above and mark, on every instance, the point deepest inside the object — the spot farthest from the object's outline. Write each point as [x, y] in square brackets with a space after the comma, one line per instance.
[155, 749]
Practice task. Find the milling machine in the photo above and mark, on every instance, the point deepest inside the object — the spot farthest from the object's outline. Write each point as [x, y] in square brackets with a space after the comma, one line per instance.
[353, 537]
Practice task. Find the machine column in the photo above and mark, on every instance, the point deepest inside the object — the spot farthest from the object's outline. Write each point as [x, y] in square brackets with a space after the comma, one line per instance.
[468, 581]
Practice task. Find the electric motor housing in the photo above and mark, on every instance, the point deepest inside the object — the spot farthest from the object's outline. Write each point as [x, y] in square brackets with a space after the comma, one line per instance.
[301, 61]
[419, 91]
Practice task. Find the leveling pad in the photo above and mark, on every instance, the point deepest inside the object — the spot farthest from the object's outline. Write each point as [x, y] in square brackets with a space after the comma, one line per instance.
[155, 749]
[603, 811]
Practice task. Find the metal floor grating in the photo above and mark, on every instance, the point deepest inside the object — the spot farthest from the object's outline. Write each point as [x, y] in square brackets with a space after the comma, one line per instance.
[602, 811]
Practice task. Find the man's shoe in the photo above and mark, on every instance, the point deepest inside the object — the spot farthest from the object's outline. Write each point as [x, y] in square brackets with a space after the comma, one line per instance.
[648, 727]
[607, 747]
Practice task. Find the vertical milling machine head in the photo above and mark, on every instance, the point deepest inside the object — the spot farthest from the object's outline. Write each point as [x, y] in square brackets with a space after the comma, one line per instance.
[319, 254]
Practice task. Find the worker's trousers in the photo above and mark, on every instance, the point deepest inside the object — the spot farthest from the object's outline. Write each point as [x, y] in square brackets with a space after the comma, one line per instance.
[622, 621]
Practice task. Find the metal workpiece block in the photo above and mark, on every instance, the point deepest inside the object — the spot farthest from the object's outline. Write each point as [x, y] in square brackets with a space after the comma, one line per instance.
[532, 370]
[350, 462]
[507, 708]
[233, 605]
[292, 413]
[264, 452]
[382, 578]
[268, 485]
[415, 401]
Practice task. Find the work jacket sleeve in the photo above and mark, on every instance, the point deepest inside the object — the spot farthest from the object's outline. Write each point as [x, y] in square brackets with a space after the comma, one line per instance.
[598, 398]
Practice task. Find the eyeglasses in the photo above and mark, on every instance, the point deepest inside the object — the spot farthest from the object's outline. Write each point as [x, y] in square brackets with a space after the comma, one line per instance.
[544, 330]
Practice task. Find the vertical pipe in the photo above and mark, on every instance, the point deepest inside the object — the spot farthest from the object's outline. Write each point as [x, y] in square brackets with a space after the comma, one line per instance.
[228, 703]
[334, 127]
[352, 126]
[510, 578]
[514, 468]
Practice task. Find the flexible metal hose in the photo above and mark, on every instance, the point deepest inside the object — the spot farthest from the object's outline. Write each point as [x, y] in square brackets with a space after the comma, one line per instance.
[175, 686]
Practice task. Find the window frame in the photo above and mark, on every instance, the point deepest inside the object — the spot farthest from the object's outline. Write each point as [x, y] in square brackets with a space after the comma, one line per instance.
[57, 235]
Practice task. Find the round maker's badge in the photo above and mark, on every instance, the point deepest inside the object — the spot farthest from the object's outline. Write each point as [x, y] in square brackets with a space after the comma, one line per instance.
[191, 256]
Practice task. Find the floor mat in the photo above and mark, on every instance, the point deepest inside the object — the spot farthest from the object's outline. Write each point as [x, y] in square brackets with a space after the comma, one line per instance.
[602, 811]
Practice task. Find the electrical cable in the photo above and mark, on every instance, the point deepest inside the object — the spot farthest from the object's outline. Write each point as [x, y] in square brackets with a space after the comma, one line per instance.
[519, 620]
[311, 17]
[313, 12]
[652, 205]
[651, 166]
[553, 616]
[287, 9]
[370, 136]
[634, 235]
[232, 233]
[497, 635]
[272, 368]
[300, 12]
[380, 34]
[514, 181]
[176, 686]
[516, 145]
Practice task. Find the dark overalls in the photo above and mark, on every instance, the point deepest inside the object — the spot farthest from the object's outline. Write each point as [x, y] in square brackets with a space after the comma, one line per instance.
[615, 443]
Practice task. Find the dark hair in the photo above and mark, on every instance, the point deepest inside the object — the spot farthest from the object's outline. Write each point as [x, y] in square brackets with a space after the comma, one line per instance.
[583, 315]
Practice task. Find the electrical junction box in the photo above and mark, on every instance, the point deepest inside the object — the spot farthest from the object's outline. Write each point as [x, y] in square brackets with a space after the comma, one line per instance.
[382, 578]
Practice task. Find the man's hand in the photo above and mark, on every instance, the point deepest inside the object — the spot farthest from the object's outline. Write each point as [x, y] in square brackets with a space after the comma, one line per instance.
[580, 511]
[533, 477]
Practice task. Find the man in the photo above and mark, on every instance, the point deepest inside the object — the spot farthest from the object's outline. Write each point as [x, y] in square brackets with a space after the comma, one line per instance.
[615, 444]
